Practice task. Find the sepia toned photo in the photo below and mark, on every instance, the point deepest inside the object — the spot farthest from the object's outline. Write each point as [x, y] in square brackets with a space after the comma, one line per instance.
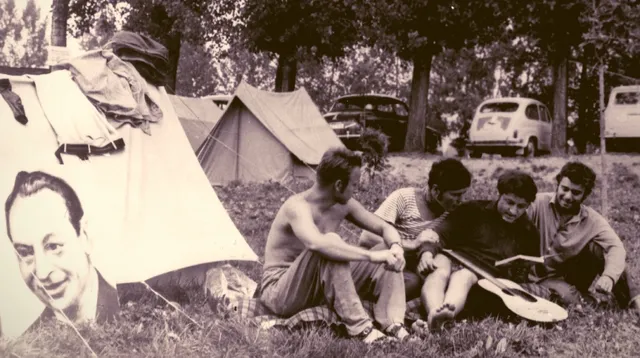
[286, 178]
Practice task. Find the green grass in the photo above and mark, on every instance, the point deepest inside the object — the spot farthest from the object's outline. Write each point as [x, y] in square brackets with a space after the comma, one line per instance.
[148, 328]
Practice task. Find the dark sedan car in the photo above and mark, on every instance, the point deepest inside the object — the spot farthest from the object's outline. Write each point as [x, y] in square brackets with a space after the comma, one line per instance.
[350, 114]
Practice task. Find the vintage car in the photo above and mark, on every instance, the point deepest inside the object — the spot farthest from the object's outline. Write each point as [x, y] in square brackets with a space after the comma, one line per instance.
[510, 126]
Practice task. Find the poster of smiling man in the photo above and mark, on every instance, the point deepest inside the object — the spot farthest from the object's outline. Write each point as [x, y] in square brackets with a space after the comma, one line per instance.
[91, 203]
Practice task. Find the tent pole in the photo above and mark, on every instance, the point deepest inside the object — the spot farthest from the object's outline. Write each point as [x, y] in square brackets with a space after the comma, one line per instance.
[237, 159]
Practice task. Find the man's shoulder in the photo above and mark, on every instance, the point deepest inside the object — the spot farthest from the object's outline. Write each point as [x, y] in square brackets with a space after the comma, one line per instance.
[403, 193]
[544, 197]
[478, 204]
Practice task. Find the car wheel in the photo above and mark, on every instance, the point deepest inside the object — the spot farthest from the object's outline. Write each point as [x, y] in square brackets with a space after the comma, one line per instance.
[531, 150]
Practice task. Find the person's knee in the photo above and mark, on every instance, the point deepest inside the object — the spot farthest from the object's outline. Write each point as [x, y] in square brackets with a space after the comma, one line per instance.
[564, 292]
[442, 262]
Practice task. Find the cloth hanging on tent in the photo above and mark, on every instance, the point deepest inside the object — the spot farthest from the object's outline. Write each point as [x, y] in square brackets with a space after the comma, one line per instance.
[80, 128]
[116, 87]
[13, 100]
[149, 57]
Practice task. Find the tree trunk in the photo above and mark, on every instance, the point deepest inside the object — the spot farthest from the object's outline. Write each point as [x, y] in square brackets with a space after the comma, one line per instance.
[559, 131]
[173, 46]
[418, 102]
[59, 16]
[286, 73]
[586, 100]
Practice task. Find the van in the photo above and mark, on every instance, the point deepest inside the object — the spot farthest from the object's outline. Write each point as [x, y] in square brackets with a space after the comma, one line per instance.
[622, 117]
[510, 126]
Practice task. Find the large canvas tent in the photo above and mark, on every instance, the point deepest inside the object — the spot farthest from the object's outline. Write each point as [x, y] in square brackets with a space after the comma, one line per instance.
[150, 207]
[266, 136]
[198, 116]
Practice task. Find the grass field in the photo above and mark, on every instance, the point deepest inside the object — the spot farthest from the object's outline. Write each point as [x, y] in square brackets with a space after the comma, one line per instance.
[148, 328]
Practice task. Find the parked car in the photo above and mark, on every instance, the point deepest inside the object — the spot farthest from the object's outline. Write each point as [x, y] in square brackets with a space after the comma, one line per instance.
[510, 126]
[622, 118]
[350, 114]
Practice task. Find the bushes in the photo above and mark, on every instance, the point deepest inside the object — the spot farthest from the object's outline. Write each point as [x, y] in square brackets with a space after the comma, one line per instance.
[375, 146]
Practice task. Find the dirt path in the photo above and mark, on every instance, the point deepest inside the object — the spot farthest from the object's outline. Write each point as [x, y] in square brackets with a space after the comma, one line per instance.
[415, 167]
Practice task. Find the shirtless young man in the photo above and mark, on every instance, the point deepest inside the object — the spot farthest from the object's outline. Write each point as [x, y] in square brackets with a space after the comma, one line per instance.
[308, 264]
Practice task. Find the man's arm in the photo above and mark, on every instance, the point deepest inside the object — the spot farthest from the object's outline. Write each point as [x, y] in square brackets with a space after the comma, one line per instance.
[390, 210]
[330, 245]
[615, 254]
[369, 221]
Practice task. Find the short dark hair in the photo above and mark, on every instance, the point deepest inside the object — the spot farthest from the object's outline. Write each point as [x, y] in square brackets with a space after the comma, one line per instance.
[449, 174]
[519, 184]
[579, 174]
[28, 184]
[337, 164]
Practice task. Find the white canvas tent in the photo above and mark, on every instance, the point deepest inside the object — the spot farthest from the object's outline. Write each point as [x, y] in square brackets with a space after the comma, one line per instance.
[265, 135]
[198, 116]
[151, 208]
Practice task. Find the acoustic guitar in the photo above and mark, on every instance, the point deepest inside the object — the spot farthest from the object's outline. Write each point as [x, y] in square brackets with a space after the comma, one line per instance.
[514, 297]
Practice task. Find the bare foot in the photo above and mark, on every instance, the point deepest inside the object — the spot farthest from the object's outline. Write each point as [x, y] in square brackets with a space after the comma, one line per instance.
[440, 316]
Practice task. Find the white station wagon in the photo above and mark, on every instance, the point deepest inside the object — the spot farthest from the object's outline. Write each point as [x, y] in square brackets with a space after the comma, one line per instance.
[510, 126]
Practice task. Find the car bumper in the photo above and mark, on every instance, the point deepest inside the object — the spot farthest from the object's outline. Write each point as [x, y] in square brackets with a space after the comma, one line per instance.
[495, 145]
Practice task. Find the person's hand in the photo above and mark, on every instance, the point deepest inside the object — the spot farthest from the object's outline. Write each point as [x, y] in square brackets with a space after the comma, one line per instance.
[426, 264]
[428, 235]
[397, 250]
[604, 284]
[386, 256]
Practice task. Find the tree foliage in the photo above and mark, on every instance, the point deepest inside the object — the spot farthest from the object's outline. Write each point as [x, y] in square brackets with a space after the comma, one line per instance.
[22, 36]
[418, 30]
[294, 29]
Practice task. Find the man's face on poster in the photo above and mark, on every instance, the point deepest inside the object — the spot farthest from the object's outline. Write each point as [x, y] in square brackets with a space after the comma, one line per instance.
[52, 255]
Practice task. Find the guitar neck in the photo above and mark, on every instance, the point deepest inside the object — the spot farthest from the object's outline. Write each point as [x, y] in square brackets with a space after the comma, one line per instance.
[473, 267]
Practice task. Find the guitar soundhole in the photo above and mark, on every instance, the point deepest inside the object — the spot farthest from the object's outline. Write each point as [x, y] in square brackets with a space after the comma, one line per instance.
[524, 295]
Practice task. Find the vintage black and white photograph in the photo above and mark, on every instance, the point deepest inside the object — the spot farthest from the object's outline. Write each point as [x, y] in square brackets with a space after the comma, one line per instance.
[279, 178]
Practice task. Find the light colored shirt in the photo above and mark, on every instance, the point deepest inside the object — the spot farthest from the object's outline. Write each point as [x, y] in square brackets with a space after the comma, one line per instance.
[402, 211]
[570, 238]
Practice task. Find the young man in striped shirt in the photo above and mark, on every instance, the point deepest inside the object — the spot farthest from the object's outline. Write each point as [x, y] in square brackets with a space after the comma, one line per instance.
[413, 210]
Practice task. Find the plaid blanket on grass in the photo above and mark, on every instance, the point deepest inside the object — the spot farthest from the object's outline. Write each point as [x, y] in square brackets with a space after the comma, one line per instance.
[253, 310]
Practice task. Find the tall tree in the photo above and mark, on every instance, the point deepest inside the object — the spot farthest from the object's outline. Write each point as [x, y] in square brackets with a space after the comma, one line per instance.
[293, 29]
[59, 17]
[35, 54]
[417, 30]
[556, 28]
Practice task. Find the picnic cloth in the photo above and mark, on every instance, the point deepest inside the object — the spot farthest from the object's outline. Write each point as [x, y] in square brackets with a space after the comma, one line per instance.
[254, 310]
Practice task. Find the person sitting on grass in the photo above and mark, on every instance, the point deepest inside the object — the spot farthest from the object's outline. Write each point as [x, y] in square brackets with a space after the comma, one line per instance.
[413, 210]
[484, 231]
[308, 264]
[587, 252]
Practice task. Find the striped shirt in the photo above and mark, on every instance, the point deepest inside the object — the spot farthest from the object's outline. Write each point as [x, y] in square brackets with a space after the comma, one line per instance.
[402, 211]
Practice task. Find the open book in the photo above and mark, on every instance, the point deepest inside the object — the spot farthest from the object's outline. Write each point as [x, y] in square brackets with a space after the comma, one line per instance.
[537, 259]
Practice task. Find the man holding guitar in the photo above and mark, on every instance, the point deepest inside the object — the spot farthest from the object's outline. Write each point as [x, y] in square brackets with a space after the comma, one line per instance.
[587, 251]
[483, 232]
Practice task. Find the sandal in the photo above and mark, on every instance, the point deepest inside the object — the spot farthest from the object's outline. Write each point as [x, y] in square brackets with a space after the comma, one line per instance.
[399, 331]
[371, 335]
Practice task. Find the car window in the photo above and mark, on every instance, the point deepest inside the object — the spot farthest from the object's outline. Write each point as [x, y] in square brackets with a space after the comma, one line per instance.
[625, 98]
[346, 106]
[385, 108]
[532, 112]
[544, 114]
[504, 107]
[401, 110]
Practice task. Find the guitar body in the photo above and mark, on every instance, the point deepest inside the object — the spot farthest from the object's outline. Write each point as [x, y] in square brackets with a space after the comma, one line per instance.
[524, 304]
[515, 298]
